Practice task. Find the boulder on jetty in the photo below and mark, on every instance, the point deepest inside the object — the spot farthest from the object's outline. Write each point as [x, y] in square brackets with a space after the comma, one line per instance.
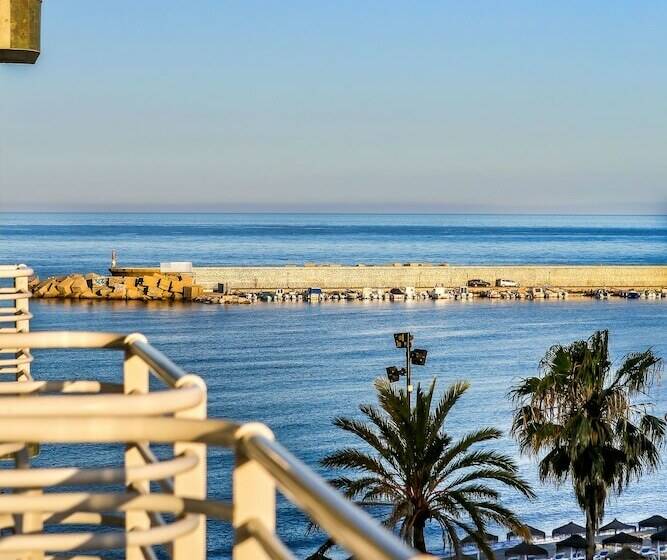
[162, 287]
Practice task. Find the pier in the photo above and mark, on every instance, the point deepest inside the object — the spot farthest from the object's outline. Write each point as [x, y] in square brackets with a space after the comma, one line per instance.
[417, 275]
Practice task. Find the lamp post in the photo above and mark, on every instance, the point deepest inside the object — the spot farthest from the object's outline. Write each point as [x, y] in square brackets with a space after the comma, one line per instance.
[415, 357]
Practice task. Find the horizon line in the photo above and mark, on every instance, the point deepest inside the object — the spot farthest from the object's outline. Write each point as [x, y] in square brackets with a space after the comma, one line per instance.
[330, 213]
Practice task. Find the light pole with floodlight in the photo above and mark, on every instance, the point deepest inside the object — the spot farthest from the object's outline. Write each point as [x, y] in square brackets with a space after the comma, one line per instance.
[415, 357]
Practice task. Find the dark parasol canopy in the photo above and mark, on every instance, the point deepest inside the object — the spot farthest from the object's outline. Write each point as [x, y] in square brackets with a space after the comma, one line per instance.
[626, 554]
[576, 542]
[615, 526]
[525, 549]
[621, 538]
[660, 536]
[533, 533]
[655, 521]
[487, 537]
[570, 528]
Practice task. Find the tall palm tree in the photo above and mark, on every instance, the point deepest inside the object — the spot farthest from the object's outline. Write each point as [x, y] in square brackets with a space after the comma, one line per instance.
[418, 473]
[588, 423]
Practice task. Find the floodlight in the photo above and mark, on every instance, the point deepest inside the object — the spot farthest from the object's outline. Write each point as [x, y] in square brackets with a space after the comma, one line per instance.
[401, 339]
[418, 357]
[393, 374]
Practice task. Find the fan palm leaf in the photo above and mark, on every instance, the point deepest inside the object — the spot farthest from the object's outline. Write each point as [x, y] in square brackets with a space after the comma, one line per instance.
[420, 474]
[589, 424]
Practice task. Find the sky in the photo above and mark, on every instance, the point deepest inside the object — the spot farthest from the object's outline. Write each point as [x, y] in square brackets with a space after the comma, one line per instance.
[353, 105]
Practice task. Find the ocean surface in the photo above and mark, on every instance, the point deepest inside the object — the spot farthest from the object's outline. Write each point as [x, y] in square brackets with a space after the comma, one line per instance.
[296, 366]
[57, 243]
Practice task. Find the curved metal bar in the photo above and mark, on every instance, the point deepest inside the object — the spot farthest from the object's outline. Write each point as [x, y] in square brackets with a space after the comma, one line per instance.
[270, 542]
[14, 295]
[70, 502]
[149, 404]
[15, 317]
[25, 358]
[149, 457]
[82, 386]
[91, 541]
[110, 429]
[163, 367]
[15, 271]
[352, 528]
[62, 339]
[9, 448]
[49, 477]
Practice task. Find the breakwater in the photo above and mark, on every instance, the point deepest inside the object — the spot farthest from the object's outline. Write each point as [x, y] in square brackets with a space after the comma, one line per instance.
[419, 276]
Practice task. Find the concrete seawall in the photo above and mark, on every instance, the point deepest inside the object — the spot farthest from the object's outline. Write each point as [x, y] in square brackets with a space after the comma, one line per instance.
[336, 277]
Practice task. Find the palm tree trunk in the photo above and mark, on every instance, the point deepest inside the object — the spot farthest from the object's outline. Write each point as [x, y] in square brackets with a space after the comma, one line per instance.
[418, 534]
[590, 532]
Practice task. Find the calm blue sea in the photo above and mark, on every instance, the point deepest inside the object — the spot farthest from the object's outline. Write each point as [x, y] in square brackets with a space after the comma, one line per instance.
[56, 243]
[296, 366]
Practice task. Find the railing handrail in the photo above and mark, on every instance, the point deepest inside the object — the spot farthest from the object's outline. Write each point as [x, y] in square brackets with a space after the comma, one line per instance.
[360, 533]
[349, 525]
[15, 271]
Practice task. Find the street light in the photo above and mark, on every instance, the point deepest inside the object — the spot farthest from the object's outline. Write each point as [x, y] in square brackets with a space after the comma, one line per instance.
[415, 357]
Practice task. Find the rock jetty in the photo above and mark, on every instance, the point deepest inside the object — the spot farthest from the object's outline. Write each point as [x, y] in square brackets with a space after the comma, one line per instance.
[151, 287]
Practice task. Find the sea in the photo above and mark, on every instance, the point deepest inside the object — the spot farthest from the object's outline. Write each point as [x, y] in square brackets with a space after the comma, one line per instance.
[296, 366]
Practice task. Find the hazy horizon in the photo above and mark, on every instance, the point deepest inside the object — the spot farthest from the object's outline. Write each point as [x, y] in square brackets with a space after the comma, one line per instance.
[374, 107]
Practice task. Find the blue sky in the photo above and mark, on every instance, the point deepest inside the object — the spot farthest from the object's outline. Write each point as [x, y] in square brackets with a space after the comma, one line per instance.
[334, 106]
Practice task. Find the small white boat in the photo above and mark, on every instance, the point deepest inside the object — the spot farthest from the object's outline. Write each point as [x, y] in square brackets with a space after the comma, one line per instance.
[462, 294]
[438, 292]
[537, 293]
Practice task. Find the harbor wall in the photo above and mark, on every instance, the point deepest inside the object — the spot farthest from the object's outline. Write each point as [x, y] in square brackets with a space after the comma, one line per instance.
[334, 277]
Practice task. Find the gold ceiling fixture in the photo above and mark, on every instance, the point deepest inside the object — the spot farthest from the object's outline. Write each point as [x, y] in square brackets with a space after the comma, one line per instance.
[20, 22]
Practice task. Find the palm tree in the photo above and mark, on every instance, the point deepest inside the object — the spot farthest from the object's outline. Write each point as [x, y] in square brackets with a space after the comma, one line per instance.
[589, 423]
[417, 473]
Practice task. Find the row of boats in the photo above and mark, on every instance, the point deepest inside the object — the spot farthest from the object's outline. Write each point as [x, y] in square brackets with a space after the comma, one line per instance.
[630, 294]
[462, 293]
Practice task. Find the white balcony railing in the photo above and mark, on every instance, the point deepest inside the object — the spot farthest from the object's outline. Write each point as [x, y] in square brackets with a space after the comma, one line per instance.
[171, 512]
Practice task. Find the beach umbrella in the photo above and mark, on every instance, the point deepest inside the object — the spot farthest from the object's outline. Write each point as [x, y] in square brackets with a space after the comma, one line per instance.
[621, 538]
[660, 536]
[653, 522]
[568, 529]
[525, 549]
[488, 537]
[575, 542]
[616, 526]
[538, 533]
[626, 554]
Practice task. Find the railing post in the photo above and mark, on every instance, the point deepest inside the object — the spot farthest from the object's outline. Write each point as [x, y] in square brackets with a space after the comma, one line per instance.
[29, 522]
[254, 497]
[192, 484]
[22, 305]
[135, 380]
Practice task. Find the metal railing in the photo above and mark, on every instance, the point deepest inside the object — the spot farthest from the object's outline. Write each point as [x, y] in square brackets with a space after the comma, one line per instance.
[83, 411]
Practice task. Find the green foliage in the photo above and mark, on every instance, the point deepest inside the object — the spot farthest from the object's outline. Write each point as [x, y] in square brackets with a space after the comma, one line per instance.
[588, 423]
[420, 473]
